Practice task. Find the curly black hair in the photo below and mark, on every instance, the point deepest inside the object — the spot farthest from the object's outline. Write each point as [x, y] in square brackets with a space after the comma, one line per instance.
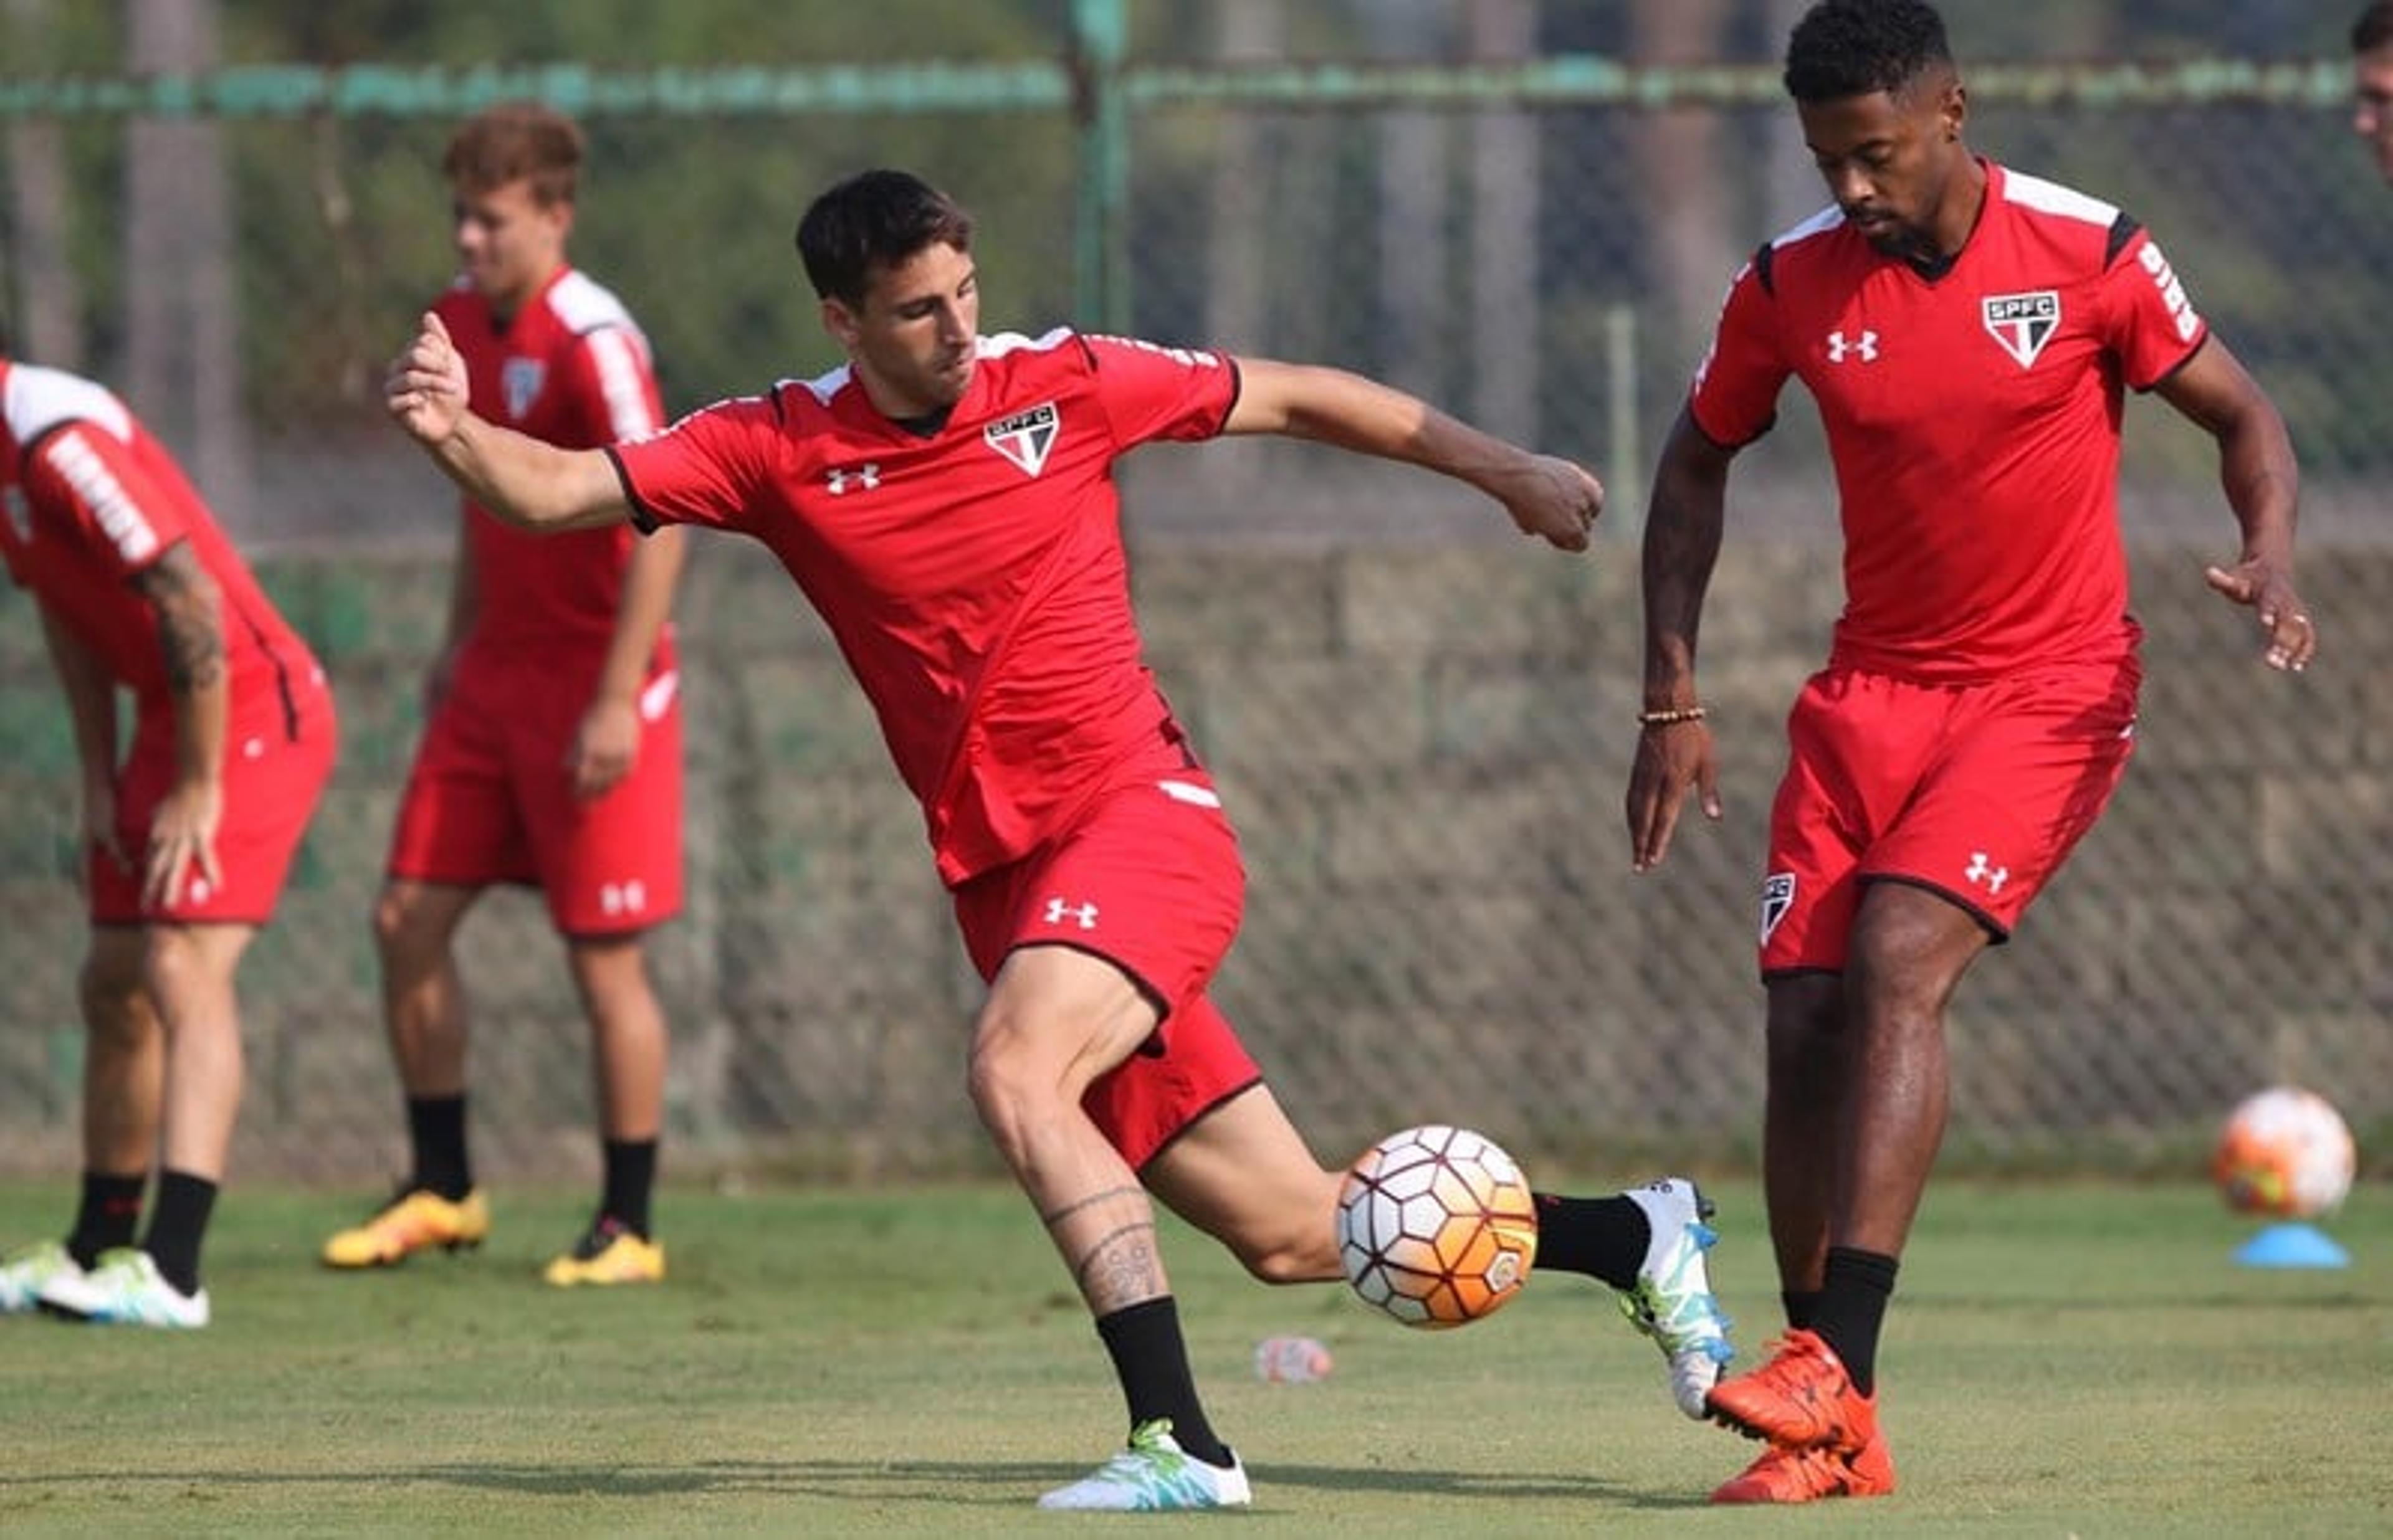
[2374, 27]
[1858, 48]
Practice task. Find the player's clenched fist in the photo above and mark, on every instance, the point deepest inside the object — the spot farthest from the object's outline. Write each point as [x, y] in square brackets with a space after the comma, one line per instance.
[1557, 501]
[426, 390]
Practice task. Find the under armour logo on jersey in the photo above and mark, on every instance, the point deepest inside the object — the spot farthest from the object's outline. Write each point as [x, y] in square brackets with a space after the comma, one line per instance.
[1082, 915]
[1777, 898]
[2023, 324]
[1025, 436]
[519, 380]
[1982, 870]
[1865, 348]
[839, 480]
[622, 898]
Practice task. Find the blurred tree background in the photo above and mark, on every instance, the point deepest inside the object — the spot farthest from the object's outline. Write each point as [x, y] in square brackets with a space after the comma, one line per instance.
[1485, 253]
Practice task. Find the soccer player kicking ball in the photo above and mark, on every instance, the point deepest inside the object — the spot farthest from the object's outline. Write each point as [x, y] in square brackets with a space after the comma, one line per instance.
[187, 835]
[945, 500]
[551, 754]
[1966, 330]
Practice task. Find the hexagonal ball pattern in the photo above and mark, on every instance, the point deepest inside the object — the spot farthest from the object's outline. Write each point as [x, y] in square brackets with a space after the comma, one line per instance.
[1436, 1226]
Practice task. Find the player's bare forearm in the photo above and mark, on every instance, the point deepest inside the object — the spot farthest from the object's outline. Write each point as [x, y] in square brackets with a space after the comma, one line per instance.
[1683, 539]
[2256, 467]
[526, 483]
[91, 699]
[2263, 485]
[2262, 481]
[643, 610]
[519, 479]
[1331, 406]
[189, 612]
[1547, 497]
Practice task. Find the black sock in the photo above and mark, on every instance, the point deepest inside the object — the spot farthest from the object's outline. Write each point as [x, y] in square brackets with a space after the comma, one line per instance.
[107, 1217]
[1802, 1307]
[1605, 1238]
[631, 1173]
[177, 1226]
[1852, 1303]
[1152, 1363]
[436, 1126]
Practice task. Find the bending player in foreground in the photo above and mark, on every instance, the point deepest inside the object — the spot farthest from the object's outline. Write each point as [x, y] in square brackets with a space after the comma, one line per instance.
[1966, 330]
[187, 834]
[945, 500]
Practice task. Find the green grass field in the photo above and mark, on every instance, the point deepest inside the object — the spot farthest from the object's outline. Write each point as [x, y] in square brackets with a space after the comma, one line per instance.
[2062, 1360]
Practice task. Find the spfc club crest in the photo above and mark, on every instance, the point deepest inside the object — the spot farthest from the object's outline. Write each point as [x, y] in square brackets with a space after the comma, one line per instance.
[2023, 324]
[1777, 898]
[1025, 436]
[520, 379]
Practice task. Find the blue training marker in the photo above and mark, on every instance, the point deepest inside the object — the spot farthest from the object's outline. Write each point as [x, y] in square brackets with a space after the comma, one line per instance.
[2291, 1246]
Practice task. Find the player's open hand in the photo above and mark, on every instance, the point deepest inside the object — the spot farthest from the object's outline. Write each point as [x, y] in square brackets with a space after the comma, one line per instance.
[604, 748]
[426, 390]
[1557, 501]
[1671, 757]
[182, 837]
[2267, 590]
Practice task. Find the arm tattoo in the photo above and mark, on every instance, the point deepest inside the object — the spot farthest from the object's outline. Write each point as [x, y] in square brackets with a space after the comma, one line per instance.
[1060, 1215]
[191, 632]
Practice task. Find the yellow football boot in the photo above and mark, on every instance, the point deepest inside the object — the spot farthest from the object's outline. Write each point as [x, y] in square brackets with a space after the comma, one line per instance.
[609, 1254]
[413, 1221]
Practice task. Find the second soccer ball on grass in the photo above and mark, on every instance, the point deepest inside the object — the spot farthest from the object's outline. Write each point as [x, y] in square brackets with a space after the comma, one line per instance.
[1436, 1226]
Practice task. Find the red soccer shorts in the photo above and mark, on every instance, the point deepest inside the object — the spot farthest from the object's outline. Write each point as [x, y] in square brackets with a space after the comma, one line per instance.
[279, 750]
[490, 799]
[1977, 792]
[1149, 879]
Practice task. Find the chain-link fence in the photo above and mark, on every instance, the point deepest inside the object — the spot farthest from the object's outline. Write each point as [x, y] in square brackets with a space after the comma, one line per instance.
[1423, 725]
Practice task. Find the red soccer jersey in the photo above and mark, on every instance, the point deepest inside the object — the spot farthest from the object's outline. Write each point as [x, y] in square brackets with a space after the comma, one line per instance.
[92, 498]
[975, 577]
[1973, 419]
[570, 369]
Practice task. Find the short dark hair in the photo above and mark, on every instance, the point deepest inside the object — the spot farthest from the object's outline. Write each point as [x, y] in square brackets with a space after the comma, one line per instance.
[517, 141]
[1859, 47]
[872, 220]
[2374, 27]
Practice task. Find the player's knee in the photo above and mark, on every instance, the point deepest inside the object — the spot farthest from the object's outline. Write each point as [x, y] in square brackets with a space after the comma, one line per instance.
[174, 966]
[404, 928]
[609, 968]
[1003, 1092]
[109, 990]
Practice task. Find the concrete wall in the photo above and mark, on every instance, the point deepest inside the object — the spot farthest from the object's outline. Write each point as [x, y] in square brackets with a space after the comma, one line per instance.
[1425, 747]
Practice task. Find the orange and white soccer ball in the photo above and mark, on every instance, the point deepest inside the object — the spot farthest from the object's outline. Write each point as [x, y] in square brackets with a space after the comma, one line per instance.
[2285, 1152]
[1436, 1226]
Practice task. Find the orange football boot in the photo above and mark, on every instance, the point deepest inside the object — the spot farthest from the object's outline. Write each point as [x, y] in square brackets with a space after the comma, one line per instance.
[1805, 1475]
[1802, 1399]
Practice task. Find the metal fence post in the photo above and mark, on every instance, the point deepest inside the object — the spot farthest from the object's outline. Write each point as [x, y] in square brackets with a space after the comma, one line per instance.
[1100, 250]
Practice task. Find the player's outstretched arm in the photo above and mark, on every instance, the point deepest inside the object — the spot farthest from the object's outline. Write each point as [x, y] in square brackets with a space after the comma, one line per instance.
[1683, 541]
[519, 479]
[2263, 484]
[1551, 498]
